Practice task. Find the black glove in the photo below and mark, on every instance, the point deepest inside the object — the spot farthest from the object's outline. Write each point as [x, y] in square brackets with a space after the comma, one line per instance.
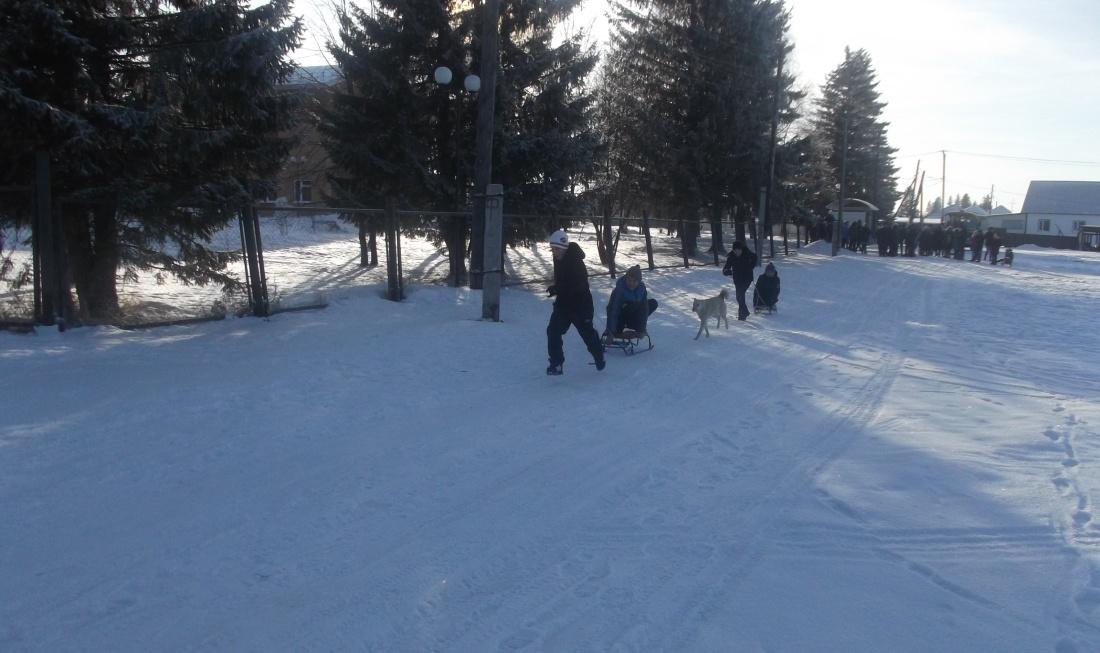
[552, 290]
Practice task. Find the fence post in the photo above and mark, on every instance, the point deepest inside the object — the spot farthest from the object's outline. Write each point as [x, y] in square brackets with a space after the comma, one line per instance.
[648, 241]
[683, 244]
[493, 264]
[393, 262]
[253, 257]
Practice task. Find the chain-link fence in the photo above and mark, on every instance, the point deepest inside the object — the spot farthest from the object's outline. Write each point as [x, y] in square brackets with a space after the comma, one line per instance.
[292, 257]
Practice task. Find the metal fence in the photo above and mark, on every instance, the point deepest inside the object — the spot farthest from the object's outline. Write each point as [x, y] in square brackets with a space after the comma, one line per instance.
[295, 257]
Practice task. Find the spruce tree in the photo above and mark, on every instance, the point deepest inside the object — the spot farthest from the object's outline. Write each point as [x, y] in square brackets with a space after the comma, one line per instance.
[394, 132]
[701, 75]
[850, 100]
[159, 118]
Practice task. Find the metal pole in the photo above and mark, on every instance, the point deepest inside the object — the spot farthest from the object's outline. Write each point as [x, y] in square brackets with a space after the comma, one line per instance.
[486, 107]
[43, 241]
[494, 261]
[758, 232]
[648, 241]
[943, 188]
[839, 224]
[767, 215]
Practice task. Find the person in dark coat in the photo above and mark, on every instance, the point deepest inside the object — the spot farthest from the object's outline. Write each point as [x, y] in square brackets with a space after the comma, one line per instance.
[629, 305]
[976, 246]
[767, 289]
[572, 303]
[740, 265]
[992, 245]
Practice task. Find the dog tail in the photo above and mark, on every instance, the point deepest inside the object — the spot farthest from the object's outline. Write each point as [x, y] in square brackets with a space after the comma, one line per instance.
[724, 294]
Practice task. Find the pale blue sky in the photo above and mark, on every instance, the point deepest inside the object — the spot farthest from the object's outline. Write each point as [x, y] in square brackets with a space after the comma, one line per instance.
[1010, 78]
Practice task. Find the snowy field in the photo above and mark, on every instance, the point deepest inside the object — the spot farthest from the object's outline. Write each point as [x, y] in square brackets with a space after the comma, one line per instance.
[904, 458]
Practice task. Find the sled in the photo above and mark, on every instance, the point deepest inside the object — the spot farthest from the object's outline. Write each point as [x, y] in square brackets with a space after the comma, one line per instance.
[630, 342]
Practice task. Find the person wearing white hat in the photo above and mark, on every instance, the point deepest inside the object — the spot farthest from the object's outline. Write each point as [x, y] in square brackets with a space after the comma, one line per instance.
[572, 303]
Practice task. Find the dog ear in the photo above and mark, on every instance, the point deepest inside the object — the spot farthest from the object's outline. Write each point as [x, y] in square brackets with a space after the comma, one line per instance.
[694, 305]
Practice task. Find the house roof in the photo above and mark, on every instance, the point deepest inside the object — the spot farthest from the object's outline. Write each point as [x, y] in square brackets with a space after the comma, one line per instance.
[315, 75]
[1069, 197]
[1001, 209]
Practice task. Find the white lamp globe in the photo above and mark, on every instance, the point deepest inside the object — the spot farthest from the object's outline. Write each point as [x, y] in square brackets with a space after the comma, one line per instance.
[472, 83]
[443, 75]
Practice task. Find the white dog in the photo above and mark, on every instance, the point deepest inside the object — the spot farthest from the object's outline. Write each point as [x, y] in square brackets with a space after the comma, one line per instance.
[708, 308]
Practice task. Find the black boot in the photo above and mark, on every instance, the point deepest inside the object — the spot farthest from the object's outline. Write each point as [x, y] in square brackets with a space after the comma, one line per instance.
[554, 370]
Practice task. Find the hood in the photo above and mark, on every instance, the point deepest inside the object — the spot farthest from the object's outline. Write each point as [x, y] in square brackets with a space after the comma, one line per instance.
[574, 251]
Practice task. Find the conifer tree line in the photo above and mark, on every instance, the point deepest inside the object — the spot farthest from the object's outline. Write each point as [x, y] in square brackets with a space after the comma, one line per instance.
[163, 118]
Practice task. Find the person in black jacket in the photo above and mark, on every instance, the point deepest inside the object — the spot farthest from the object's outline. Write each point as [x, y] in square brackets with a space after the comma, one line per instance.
[739, 265]
[767, 289]
[572, 303]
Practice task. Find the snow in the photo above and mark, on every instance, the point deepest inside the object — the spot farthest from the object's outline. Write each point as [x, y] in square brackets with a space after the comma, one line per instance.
[902, 459]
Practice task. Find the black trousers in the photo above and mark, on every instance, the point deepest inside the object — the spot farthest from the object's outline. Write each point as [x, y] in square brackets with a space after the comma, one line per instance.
[742, 307]
[630, 316]
[993, 252]
[559, 324]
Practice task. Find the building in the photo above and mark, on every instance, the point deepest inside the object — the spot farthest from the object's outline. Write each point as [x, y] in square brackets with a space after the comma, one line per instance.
[1053, 214]
[303, 179]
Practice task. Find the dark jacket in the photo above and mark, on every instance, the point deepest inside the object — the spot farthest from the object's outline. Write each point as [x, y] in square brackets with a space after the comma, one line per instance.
[768, 289]
[621, 296]
[740, 267]
[571, 284]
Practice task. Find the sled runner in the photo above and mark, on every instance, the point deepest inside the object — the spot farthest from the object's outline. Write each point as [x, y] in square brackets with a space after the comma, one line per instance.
[630, 342]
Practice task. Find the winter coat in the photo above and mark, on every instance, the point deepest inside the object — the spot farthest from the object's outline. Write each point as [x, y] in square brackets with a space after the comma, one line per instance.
[768, 289]
[622, 295]
[740, 267]
[570, 288]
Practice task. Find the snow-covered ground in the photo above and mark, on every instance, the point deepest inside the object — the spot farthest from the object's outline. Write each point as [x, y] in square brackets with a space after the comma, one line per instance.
[904, 458]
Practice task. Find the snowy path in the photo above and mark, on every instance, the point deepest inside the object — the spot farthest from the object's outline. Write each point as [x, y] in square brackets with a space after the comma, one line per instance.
[904, 459]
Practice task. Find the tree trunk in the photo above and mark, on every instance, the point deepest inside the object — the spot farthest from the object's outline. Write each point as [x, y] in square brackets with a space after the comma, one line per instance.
[364, 252]
[691, 236]
[372, 244]
[455, 238]
[716, 244]
[93, 248]
[739, 226]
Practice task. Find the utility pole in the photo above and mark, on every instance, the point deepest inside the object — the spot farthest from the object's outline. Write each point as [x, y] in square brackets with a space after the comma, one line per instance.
[767, 217]
[943, 188]
[486, 108]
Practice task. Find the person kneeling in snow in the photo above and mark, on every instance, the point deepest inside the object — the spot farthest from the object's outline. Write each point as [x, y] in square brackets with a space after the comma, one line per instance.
[573, 303]
[629, 306]
[767, 289]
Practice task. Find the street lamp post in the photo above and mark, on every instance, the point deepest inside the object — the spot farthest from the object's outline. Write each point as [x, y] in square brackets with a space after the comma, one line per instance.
[838, 226]
[472, 83]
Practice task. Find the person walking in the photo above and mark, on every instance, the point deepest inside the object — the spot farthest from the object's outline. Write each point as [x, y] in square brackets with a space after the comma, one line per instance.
[740, 265]
[572, 303]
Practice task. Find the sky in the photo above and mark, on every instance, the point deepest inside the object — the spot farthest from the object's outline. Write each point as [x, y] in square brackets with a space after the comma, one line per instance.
[1009, 80]
[1006, 87]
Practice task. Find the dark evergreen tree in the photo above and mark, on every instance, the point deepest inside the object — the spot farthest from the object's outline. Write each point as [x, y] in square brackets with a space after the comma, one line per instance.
[158, 116]
[701, 77]
[850, 101]
[394, 132]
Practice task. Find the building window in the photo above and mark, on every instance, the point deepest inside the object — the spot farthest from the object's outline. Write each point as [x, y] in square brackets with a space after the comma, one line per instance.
[1077, 224]
[303, 191]
[268, 191]
[1044, 225]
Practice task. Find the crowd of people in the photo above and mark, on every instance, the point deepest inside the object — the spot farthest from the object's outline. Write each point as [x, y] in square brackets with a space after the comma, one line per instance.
[948, 241]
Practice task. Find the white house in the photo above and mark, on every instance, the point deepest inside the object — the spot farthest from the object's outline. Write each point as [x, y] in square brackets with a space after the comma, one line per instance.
[1052, 215]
